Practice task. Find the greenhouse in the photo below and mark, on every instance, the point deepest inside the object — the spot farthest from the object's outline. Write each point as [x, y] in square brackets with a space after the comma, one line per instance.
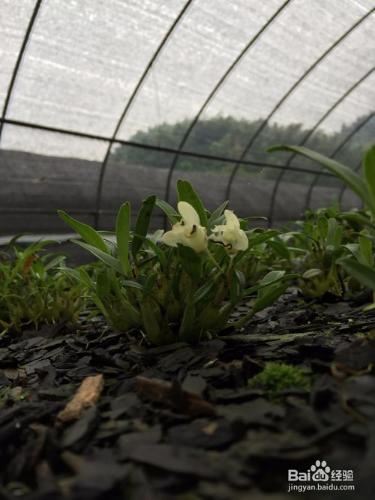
[187, 249]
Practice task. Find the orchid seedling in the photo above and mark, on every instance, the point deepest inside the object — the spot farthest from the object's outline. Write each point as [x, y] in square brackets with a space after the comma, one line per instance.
[35, 290]
[363, 185]
[182, 285]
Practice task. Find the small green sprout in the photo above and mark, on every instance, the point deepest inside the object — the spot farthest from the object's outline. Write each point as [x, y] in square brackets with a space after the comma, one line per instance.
[278, 377]
[36, 290]
[360, 265]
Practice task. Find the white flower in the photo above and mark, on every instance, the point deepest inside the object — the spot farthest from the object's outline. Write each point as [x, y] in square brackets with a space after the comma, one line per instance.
[188, 232]
[230, 234]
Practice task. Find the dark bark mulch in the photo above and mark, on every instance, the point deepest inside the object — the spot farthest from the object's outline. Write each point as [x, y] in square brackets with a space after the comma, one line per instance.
[181, 421]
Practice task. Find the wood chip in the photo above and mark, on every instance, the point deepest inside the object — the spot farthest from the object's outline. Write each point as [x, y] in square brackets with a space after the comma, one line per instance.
[174, 396]
[86, 396]
[210, 428]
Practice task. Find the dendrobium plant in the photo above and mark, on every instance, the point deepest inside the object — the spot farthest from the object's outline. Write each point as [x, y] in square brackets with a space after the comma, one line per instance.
[230, 234]
[188, 231]
[180, 286]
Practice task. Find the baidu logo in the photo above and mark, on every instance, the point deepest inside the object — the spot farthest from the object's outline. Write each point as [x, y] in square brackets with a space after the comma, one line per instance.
[320, 471]
[320, 477]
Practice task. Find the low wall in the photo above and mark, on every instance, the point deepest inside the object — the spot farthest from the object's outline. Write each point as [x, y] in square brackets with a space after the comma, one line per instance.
[33, 187]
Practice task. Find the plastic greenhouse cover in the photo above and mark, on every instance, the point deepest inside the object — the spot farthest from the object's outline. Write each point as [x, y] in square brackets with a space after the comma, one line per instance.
[223, 80]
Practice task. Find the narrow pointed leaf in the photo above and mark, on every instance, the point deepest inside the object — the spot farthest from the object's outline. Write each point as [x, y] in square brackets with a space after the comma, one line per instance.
[87, 233]
[346, 174]
[169, 211]
[103, 256]
[150, 322]
[123, 237]
[216, 214]
[369, 173]
[268, 296]
[142, 224]
[366, 250]
[188, 331]
[364, 274]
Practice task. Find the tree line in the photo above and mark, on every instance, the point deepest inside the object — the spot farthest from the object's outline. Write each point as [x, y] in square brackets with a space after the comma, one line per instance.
[227, 137]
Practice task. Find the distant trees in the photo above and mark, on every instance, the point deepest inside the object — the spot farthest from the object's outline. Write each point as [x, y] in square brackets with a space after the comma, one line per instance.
[227, 137]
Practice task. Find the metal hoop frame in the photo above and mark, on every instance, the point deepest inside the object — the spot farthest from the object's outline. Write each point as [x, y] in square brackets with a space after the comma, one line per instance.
[180, 151]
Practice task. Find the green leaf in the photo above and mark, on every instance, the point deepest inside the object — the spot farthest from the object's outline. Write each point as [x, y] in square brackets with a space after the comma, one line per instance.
[256, 238]
[346, 174]
[364, 274]
[103, 284]
[55, 262]
[73, 273]
[87, 233]
[142, 224]
[125, 318]
[356, 218]
[334, 234]
[217, 214]
[187, 193]
[353, 249]
[312, 273]
[280, 248]
[188, 332]
[321, 228]
[271, 277]
[366, 254]
[369, 173]
[103, 256]
[133, 284]
[123, 222]
[150, 282]
[159, 253]
[190, 261]
[150, 322]
[205, 290]
[84, 277]
[209, 318]
[169, 211]
[268, 296]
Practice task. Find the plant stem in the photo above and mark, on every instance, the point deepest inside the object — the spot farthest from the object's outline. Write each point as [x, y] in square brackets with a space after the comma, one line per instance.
[212, 258]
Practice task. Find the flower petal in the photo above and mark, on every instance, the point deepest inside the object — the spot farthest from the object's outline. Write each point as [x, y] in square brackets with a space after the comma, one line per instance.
[169, 238]
[242, 242]
[217, 233]
[231, 219]
[188, 213]
[198, 240]
[194, 237]
[174, 236]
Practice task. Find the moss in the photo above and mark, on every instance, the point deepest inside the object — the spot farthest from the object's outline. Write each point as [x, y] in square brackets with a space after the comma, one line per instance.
[277, 377]
[14, 394]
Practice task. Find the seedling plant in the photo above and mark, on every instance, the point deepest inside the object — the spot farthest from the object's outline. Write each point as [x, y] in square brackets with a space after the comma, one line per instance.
[183, 284]
[35, 289]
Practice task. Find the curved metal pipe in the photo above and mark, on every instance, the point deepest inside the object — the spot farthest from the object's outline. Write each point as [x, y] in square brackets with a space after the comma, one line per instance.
[332, 155]
[309, 134]
[17, 66]
[128, 106]
[215, 89]
[289, 92]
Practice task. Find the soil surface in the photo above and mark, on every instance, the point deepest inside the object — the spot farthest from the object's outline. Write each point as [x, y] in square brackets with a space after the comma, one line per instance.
[182, 422]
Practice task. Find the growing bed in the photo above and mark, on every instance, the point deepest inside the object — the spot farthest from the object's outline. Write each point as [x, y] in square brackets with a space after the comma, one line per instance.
[181, 421]
[211, 361]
